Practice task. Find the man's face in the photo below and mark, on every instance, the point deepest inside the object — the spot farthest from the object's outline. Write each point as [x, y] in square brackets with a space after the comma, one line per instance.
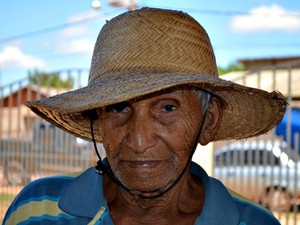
[148, 141]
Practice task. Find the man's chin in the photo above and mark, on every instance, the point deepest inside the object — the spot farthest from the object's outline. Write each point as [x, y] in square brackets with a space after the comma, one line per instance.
[147, 187]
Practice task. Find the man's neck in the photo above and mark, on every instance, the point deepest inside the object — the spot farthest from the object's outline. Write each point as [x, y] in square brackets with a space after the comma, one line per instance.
[183, 202]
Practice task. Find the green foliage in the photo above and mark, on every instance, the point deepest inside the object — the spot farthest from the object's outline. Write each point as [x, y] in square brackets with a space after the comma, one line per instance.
[50, 79]
[231, 68]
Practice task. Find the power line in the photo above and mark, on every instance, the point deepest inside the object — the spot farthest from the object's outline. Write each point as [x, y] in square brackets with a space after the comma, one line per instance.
[54, 28]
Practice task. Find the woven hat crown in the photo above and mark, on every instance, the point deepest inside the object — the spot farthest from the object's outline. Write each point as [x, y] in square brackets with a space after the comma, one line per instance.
[153, 40]
[149, 50]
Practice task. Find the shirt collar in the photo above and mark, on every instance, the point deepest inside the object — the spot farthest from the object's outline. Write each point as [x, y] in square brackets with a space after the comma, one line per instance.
[219, 207]
[84, 197]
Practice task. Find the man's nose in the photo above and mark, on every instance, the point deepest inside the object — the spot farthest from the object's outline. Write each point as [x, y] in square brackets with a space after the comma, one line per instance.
[141, 134]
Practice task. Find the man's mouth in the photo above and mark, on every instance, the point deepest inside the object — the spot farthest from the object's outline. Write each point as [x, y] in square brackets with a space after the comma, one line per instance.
[143, 164]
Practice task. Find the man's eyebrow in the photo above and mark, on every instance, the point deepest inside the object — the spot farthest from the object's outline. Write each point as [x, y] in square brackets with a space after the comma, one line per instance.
[165, 91]
[171, 90]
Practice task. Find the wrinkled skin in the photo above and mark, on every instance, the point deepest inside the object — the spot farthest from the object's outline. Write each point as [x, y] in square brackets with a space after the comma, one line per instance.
[148, 143]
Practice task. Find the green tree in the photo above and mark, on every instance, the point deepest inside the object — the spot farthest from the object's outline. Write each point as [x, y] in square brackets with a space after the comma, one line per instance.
[50, 79]
[231, 68]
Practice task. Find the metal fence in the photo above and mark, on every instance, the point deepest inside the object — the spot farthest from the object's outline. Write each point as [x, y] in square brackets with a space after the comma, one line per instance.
[31, 147]
[264, 169]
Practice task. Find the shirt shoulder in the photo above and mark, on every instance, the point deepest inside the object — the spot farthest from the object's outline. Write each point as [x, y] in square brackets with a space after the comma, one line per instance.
[251, 212]
[37, 203]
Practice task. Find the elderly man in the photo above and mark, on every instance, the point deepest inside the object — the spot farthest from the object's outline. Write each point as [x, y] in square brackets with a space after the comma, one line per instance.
[153, 95]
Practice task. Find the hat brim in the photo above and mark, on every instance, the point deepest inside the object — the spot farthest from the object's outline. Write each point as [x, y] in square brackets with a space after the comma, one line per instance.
[247, 111]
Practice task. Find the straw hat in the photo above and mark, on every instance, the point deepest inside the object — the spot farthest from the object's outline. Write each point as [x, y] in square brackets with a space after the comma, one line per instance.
[148, 50]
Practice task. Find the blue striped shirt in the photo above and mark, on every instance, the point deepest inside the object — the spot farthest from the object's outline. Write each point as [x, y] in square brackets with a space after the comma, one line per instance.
[78, 199]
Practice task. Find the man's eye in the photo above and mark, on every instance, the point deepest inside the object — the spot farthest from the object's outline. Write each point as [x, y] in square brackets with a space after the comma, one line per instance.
[169, 108]
[117, 108]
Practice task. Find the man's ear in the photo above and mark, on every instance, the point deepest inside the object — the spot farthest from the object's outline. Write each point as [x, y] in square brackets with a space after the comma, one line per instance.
[212, 121]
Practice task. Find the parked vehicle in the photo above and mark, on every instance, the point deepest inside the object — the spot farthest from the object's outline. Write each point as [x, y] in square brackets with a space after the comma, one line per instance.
[263, 171]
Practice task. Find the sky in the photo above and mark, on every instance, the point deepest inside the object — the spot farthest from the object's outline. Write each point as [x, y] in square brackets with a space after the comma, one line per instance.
[59, 35]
